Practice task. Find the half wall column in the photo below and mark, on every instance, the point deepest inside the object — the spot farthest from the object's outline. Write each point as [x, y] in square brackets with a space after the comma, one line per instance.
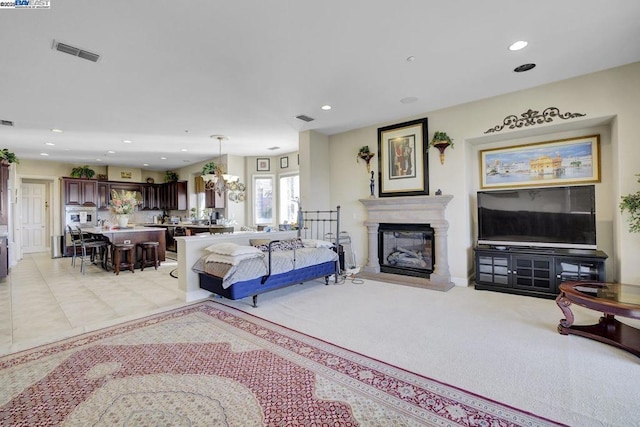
[373, 264]
[441, 272]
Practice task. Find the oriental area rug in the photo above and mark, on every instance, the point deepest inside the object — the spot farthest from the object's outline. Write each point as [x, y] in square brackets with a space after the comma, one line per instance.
[208, 364]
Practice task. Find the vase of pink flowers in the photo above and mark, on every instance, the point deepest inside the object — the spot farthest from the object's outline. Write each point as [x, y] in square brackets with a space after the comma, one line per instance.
[123, 204]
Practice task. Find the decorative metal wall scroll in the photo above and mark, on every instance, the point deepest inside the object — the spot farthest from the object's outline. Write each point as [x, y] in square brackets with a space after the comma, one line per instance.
[533, 117]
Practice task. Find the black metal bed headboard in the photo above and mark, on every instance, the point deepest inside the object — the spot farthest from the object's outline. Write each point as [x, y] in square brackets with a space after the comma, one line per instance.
[320, 225]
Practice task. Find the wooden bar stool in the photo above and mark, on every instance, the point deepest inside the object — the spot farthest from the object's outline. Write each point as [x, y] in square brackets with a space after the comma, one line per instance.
[123, 257]
[146, 248]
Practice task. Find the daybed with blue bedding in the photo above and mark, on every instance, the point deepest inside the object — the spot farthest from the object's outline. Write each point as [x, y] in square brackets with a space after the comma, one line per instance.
[237, 271]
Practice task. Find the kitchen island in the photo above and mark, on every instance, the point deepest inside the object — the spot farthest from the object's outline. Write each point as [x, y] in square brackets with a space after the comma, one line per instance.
[196, 228]
[133, 235]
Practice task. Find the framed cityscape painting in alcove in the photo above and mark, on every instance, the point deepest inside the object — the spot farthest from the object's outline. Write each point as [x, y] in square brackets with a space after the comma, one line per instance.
[559, 162]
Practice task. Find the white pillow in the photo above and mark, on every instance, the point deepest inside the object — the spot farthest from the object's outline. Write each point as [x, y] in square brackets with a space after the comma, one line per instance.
[311, 243]
[231, 249]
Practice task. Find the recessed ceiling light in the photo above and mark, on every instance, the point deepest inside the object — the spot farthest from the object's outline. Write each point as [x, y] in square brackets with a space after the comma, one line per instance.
[49, 143]
[524, 67]
[163, 158]
[273, 148]
[520, 44]
[127, 141]
[111, 152]
[411, 58]
[98, 160]
[326, 107]
[43, 154]
[145, 164]
[183, 149]
[56, 130]
[409, 100]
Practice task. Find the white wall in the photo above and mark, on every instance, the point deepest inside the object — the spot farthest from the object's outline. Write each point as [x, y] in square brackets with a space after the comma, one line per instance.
[610, 101]
[315, 180]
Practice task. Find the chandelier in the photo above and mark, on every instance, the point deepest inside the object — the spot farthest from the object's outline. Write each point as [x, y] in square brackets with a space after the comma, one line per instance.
[213, 174]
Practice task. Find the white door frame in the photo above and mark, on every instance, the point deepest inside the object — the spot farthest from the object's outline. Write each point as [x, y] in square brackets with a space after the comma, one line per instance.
[53, 217]
[35, 227]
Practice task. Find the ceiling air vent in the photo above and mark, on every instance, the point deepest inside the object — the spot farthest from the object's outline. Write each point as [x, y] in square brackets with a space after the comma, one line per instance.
[305, 118]
[75, 51]
[6, 123]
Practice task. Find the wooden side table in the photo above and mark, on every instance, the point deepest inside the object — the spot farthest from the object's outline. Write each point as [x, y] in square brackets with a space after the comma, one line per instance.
[612, 299]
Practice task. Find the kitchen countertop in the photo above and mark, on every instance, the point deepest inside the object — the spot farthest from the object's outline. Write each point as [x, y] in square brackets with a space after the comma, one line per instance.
[134, 229]
[186, 225]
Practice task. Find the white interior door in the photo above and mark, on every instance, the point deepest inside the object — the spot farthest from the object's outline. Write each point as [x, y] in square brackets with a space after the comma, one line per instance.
[34, 217]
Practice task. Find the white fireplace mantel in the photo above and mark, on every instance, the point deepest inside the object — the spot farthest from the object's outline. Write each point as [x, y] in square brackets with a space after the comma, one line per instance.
[410, 210]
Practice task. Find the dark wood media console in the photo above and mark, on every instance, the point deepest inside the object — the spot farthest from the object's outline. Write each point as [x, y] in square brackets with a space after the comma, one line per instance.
[536, 272]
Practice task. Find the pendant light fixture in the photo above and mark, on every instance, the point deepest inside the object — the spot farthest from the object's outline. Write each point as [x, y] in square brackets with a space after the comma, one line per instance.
[219, 180]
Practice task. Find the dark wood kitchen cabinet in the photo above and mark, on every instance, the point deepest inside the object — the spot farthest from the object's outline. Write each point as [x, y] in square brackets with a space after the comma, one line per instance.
[104, 196]
[151, 197]
[174, 196]
[105, 188]
[80, 192]
[126, 186]
[214, 200]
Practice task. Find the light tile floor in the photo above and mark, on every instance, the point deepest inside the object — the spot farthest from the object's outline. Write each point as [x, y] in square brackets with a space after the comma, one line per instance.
[44, 299]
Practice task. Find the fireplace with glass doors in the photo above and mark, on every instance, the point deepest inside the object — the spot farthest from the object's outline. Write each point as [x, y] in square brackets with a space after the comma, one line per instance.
[406, 249]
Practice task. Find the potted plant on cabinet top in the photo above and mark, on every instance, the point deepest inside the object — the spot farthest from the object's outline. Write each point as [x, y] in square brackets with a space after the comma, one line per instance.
[7, 156]
[170, 176]
[210, 168]
[631, 203]
[82, 172]
[441, 141]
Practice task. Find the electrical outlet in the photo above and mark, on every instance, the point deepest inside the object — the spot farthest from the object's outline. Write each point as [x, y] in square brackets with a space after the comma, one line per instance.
[127, 242]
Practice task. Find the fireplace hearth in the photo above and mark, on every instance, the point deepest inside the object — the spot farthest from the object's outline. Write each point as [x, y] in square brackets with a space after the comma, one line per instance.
[406, 249]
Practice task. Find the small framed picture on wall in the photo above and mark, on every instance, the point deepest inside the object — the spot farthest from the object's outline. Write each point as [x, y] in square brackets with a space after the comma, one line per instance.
[263, 165]
[284, 162]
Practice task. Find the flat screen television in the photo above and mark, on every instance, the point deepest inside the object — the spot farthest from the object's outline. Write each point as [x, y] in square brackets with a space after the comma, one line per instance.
[563, 217]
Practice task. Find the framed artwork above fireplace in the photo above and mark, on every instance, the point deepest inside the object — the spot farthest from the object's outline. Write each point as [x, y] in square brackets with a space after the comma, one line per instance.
[402, 162]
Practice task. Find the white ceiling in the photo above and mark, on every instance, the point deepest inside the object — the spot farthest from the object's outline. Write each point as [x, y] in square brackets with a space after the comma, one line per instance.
[172, 73]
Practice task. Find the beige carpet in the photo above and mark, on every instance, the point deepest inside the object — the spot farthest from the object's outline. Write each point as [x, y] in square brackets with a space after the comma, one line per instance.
[500, 346]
